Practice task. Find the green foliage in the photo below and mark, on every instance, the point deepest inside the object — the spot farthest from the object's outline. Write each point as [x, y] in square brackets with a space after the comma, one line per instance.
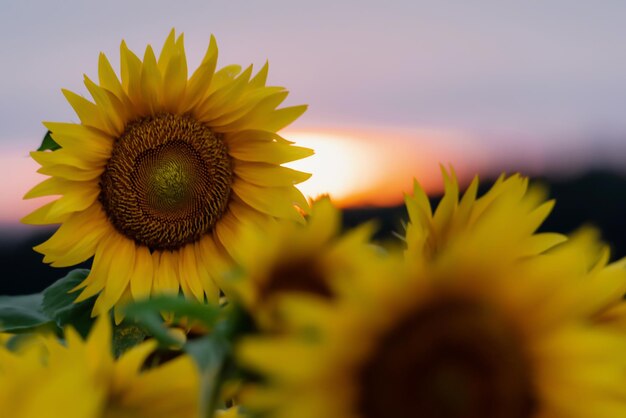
[212, 352]
[213, 355]
[58, 303]
[22, 313]
[148, 314]
[48, 143]
[53, 308]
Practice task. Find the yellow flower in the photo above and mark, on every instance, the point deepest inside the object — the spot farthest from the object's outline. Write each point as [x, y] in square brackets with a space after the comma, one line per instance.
[504, 219]
[160, 171]
[233, 412]
[465, 331]
[82, 379]
[285, 258]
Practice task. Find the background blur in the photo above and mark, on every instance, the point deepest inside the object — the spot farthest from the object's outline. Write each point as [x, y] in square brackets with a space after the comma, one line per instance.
[394, 88]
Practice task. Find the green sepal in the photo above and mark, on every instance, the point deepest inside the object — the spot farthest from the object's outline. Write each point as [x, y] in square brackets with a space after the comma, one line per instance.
[58, 303]
[125, 336]
[48, 143]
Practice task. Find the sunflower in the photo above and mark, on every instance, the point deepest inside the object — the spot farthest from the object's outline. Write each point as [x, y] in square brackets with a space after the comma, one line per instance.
[504, 219]
[468, 333]
[29, 390]
[285, 258]
[232, 412]
[160, 171]
[81, 378]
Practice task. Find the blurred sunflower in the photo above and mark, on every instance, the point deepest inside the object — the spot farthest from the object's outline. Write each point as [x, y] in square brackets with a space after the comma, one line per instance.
[233, 412]
[82, 379]
[505, 218]
[468, 333]
[160, 171]
[280, 259]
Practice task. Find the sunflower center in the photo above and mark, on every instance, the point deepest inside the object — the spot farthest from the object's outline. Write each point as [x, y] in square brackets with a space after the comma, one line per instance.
[168, 181]
[451, 359]
[303, 276]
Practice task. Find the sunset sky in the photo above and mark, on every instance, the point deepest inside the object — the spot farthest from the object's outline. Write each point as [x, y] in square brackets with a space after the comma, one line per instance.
[394, 87]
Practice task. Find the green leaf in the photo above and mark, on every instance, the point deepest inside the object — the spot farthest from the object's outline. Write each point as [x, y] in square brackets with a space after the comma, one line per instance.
[207, 315]
[22, 313]
[48, 143]
[59, 304]
[152, 322]
[148, 314]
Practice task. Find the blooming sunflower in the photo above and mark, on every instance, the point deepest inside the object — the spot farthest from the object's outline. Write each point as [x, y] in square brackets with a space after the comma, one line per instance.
[505, 218]
[468, 333]
[286, 258]
[82, 379]
[160, 171]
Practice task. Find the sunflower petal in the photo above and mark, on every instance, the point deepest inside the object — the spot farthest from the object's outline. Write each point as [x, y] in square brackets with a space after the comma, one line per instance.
[142, 275]
[268, 152]
[275, 201]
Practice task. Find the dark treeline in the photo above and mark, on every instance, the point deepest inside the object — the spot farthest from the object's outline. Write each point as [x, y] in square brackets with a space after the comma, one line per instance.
[595, 198]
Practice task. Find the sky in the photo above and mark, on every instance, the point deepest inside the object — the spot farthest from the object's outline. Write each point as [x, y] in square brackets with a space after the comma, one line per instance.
[394, 88]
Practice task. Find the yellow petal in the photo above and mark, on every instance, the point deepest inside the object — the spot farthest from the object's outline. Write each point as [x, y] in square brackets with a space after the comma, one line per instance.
[275, 201]
[224, 99]
[241, 109]
[168, 51]
[226, 231]
[112, 110]
[70, 172]
[75, 199]
[119, 273]
[87, 112]
[213, 261]
[41, 216]
[76, 239]
[64, 157]
[258, 114]
[268, 152]
[130, 363]
[174, 83]
[97, 278]
[143, 274]
[131, 77]
[50, 187]
[85, 140]
[151, 82]
[269, 175]
[108, 80]
[201, 78]
[260, 78]
[166, 279]
[189, 271]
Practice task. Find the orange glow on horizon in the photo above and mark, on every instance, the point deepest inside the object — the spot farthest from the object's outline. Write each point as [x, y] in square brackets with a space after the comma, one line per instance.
[19, 174]
[374, 167]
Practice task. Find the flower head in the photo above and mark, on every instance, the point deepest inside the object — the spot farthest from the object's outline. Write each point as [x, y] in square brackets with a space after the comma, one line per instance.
[462, 331]
[160, 171]
[506, 217]
[287, 259]
[81, 378]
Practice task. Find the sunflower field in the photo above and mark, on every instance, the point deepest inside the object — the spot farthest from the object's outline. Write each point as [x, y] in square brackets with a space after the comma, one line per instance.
[216, 289]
